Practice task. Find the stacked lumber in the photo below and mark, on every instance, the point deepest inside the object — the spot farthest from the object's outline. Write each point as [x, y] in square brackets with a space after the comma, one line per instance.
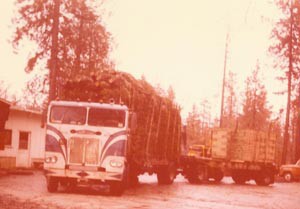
[219, 143]
[243, 145]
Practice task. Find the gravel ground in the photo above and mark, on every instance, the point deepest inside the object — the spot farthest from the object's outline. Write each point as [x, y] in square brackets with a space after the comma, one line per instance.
[29, 192]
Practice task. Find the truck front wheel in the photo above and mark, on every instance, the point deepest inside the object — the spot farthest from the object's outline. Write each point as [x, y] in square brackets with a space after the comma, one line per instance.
[116, 188]
[133, 180]
[52, 184]
[132, 173]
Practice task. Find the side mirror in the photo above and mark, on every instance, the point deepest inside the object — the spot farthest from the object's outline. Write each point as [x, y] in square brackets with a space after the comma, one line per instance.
[132, 121]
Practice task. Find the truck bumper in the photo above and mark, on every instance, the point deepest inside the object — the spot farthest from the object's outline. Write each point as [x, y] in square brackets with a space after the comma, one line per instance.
[84, 176]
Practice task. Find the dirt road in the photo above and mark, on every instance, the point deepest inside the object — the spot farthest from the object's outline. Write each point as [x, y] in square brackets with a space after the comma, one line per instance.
[29, 192]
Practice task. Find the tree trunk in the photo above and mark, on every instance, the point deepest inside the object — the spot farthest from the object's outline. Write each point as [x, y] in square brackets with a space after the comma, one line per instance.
[288, 106]
[54, 52]
[297, 137]
[79, 48]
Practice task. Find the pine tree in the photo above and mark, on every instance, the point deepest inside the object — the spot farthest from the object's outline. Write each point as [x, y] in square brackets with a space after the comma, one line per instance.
[193, 126]
[171, 93]
[230, 108]
[255, 111]
[71, 41]
[285, 48]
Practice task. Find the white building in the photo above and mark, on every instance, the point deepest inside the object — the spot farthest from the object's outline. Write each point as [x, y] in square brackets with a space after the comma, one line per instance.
[23, 139]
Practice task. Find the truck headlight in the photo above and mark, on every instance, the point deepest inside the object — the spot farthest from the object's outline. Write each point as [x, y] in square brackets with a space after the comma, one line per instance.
[52, 159]
[116, 163]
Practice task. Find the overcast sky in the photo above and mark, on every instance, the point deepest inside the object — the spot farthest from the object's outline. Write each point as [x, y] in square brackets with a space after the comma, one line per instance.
[178, 43]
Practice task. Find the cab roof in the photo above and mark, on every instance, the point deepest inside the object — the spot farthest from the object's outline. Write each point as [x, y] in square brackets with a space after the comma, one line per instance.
[90, 104]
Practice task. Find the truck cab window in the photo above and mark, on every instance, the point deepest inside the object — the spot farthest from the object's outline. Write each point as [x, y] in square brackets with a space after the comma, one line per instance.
[106, 117]
[68, 115]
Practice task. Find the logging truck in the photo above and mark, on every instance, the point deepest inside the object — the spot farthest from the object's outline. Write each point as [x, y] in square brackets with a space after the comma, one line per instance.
[97, 143]
[109, 143]
[242, 154]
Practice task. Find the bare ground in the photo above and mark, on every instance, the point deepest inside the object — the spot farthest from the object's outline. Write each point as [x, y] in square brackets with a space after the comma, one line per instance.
[29, 192]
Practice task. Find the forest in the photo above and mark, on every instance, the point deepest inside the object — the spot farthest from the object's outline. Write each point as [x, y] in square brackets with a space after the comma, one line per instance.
[73, 62]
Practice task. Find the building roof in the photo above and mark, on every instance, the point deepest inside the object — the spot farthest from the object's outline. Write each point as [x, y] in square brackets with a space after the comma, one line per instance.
[5, 101]
[22, 109]
[19, 108]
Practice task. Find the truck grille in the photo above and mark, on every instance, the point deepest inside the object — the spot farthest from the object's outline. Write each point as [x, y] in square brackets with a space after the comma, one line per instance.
[84, 151]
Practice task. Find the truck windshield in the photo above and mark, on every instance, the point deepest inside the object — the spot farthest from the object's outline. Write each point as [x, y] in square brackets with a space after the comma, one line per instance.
[68, 115]
[106, 117]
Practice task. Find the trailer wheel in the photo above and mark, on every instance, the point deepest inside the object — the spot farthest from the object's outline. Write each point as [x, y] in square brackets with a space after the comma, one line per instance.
[264, 179]
[116, 188]
[197, 177]
[218, 176]
[167, 174]
[288, 177]
[52, 184]
[238, 179]
[192, 179]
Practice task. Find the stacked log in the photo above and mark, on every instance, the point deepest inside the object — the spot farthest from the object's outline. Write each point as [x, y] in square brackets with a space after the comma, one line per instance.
[158, 133]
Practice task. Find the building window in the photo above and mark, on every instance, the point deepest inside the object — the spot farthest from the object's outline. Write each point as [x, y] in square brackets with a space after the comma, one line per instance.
[23, 140]
[5, 138]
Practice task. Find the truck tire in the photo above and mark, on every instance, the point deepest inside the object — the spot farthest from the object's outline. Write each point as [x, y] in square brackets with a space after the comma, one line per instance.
[166, 174]
[238, 179]
[264, 179]
[131, 175]
[52, 184]
[197, 177]
[133, 180]
[116, 188]
[193, 179]
[288, 177]
[201, 176]
[218, 176]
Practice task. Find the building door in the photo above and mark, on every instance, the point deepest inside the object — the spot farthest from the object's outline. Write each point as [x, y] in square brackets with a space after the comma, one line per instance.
[23, 153]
